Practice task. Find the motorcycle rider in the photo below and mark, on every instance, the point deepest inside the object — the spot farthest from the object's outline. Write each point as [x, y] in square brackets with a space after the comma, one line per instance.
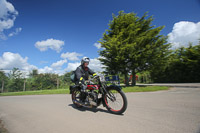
[82, 73]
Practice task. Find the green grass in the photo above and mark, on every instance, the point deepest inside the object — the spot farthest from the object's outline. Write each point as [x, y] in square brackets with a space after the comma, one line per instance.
[39, 92]
[144, 89]
[66, 91]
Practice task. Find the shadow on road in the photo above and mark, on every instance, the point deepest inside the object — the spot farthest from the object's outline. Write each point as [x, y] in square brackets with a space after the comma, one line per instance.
[95, 110]
[198, 130]
[2, 128]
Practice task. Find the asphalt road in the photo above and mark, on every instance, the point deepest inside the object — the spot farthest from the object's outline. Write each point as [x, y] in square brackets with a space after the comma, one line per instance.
[184, 85]
[173, 111]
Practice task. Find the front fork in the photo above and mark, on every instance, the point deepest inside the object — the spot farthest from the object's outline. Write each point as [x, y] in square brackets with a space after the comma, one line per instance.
[109, 94]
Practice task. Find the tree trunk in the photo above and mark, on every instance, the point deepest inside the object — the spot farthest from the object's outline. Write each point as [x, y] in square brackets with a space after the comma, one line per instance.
[126, 79]
[133, 78]
[2, 86]
[57, 83]
[24, 85]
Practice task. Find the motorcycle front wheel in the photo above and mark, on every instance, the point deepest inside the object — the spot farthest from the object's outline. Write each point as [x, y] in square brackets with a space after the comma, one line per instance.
[115, 101]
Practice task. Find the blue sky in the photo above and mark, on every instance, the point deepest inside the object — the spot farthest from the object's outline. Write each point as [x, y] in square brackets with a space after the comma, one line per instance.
[53, 35]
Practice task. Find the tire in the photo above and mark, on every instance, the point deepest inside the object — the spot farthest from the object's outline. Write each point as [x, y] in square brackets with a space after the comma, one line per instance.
[108, 102]
[76, 96]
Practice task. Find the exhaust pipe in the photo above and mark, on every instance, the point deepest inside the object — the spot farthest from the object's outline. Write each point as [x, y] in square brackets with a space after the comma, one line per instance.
[82, 104]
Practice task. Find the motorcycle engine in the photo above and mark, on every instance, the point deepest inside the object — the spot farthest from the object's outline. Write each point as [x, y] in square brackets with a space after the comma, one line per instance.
[93, 97]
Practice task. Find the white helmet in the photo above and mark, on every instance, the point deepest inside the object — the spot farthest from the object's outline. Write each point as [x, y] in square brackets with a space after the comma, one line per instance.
[85, 60]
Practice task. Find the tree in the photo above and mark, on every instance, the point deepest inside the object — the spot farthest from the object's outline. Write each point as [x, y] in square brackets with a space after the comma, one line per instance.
[34, 73]
[3, 80]
[66, 78]
[44, 81]
[15, 73]
[132, 45]
[182, 66]
[16, 81]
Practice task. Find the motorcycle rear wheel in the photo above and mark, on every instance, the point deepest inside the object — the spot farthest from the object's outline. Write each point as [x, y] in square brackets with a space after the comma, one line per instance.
[76, 98]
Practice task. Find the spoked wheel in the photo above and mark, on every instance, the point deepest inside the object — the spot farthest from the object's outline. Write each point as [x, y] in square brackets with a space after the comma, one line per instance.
[115, 101]
[76, 98]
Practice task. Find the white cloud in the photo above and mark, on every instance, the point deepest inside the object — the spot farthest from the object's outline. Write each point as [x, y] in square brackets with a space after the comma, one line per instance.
[10, 60]
[184, 32]
[98, 45]
[50, 43]
[43, 62]
[17, 30]
[59, 72]
[7, 17]
[94, 64]
[72, 66]
[71, 56]
[3, 36]
[58, 64]
[46, 69]
[54, 68]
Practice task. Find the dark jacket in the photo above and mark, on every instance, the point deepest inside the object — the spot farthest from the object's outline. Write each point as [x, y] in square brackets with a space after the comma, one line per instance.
[82, 72]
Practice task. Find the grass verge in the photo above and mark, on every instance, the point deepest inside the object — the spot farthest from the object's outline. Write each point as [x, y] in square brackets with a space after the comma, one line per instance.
[144, 88]
[39, 92]
[66, 91]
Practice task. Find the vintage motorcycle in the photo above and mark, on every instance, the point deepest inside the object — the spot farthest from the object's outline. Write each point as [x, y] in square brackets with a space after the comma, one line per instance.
[112, 97]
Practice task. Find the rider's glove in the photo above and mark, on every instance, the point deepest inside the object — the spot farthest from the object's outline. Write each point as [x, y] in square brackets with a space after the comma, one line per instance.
[81, 81]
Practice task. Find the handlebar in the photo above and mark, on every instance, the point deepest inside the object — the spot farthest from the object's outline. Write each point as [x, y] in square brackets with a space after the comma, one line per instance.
[94, 77]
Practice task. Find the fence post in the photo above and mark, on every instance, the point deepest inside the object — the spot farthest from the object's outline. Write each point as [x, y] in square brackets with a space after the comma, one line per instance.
[24, 85]
[57, 83]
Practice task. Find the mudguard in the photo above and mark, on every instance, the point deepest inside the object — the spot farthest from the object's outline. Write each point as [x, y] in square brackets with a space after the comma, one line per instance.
[114, 86]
